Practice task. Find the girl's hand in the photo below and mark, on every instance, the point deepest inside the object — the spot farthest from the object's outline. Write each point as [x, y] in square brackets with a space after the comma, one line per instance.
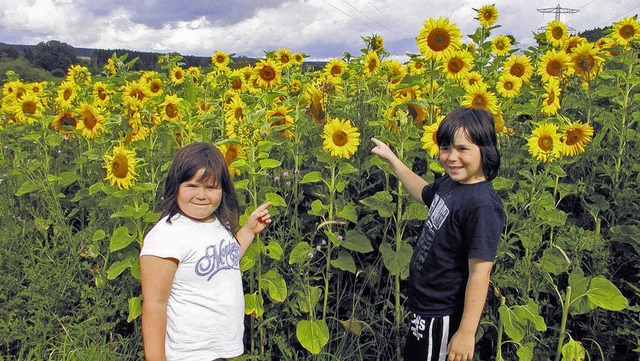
[382, 150]
[259, 219]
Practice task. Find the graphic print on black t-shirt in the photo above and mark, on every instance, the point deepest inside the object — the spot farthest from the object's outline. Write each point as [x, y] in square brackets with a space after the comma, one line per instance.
[438, 213]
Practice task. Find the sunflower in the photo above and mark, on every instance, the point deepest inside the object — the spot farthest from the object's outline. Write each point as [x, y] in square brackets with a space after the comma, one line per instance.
[520, 66]
[572, 42]
[135, 94]
[27, 108]
[415, 67]
[408, 93]
[377, 43]
[65, 123]
[267, 73]
[487, 15]
[232, 152]
[472, 78]
[138, 133]
[91, 122]
[394, 70]
[456, 64]
[121, 167]
[316, 104]
[626, 30]
[429, 139]
[508, 86]
[285, 58]
[340, 138]
[500, 45]
[556, 33]
[37, 87]
[551, 97]
[66, 93]
[586, 60]
[202, 107]
[295, 87]
[194, 74]
[110, 67]
[438, 38]
[335, 68]
[236, 110]
[371, 63]
[544, 143]
[177, 75]
[417, 112]
[608, 45]
[298, 58]
[575, 137]
[237, 82]
[554, 64]
[479, 97]
[156, 87]
[279, 117]
[498, 122]
[170, 110]
[79, 74]
[100, 93]
[220, 59]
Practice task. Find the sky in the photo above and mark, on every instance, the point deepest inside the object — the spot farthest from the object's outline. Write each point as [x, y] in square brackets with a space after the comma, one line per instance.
[321, 29]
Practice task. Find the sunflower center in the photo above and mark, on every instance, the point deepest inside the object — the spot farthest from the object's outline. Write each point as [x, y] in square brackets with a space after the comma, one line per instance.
[517, 70]
[551, 97]
[573, 137]
[554, 68]
[487, 15]
[627, 32]
[120, 166]
[479, 102]
[508, 85]
[220, 59]
[284, 59]
[557, 33]
[179, 75]
[340, 138]
[545, 143]
[267, 73]
[155, 88]
[68, 120]
[585, 62]
[438, 39]
[455, 65]
[67, 94]
[29, 107]
[89, 120]
[102, 94]
[238, 114]
[138, 94]
[172, 110]
[231, 155]
[336, 70]
[236, 84]
[372, 65]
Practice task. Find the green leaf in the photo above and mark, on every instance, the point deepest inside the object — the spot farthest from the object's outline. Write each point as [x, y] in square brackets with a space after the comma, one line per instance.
[348, 212]
[531, 312]
[397, 262]
[355, 241]
[120, 239]
[344, 262]
[66, 178]
[501, 183]
[273, 250]
[308, 300]
[311, 177]
[117, 268]
[276, 286]
[253, 305]
[299, 253]
[250, 256]
[605, 294]
[98, 235]
[275, 199]
[312, 335]
[514, 322]
[28, 187]
[241, 184]
[382, 202]
[525, 352]
[415, 211]
[318, 208]
[553, 261]
[573, 351]
[269, 163]
[135, 308]
[347, 168]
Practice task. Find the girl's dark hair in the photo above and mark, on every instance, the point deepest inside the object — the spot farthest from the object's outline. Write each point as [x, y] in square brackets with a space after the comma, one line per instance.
[479, 126]
[186, 163]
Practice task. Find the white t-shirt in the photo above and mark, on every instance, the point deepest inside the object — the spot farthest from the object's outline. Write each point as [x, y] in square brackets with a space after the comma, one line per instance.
[205, 312]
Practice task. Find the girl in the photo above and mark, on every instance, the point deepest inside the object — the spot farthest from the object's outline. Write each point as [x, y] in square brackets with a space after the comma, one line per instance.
[450, 267]
[193, 303]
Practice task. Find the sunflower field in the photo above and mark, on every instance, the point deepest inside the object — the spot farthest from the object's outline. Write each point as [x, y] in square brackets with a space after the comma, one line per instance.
[83, 163]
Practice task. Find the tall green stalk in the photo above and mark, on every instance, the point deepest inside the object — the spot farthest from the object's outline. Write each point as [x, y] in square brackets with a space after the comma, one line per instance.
[563, 324]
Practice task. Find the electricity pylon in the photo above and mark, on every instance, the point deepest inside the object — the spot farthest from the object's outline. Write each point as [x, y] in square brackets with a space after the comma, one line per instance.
[558, 10]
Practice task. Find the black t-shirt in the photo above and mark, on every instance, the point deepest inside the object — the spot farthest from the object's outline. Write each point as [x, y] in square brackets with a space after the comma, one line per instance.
[465, 221]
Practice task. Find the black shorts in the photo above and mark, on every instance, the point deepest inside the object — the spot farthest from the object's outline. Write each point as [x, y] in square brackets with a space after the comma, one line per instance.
[428, 337]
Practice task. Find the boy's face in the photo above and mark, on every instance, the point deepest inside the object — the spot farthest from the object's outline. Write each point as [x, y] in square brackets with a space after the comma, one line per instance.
[462, 160]
[198, 200]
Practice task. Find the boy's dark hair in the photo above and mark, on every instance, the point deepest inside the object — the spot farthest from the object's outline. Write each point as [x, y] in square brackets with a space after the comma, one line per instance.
[186, 163]
[480, 128]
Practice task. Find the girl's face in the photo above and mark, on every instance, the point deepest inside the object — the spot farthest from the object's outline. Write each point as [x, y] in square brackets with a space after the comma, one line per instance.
[462, 160]
[198, 200]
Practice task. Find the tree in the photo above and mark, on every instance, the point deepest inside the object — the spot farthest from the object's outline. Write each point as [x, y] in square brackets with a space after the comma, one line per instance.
[54, 55]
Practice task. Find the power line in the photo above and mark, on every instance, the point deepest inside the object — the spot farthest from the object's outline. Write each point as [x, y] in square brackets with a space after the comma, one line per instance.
[617, 16]
[368, 17]
[385, 15]
[333, 6]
